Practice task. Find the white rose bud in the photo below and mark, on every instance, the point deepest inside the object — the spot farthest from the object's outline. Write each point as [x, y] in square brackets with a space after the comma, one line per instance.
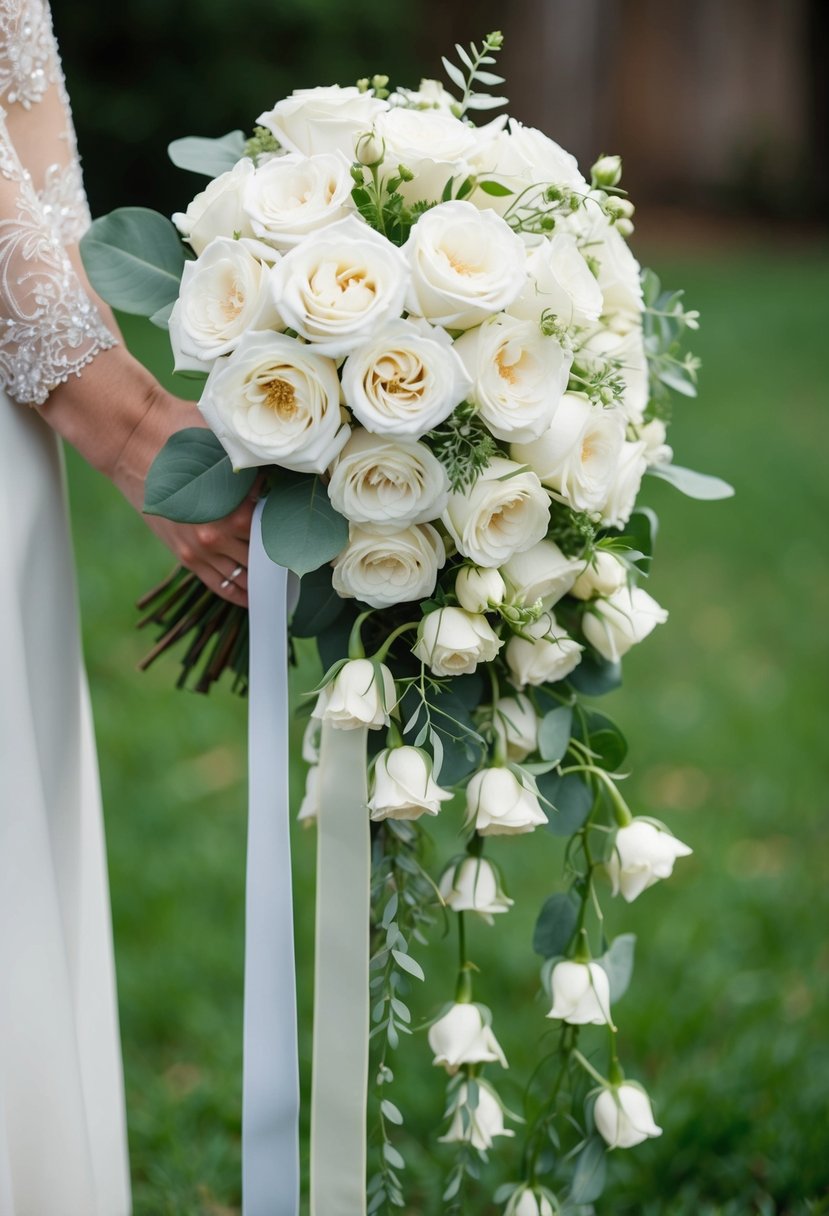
[479, 588]
[309, 810]
[357, 696]
[581, 994]
[653, 434]
[500, 805]
[465, 265]
[550, 656]
[607, 171]
[275, 401]
[405, 379]
[519, 376]
[529, 1203]
[505, 512]
[217, 210]
[613, 625]
[604, 575]
[383, 568]
[560, 282]
[290, 196]
[463, 1036]
[578, 456]
[516, 726]
[473, 886]
[642, 855]
[452, 642]
[402, 785]
[541, 573]
[484, 1123]
[322, 120]
[388, 483]
[624, 1117]
[336, 289]
[369, 149]
[625, 486]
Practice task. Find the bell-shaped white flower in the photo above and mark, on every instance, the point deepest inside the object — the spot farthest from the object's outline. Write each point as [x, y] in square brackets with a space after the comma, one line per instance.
[642, 854]
[464, 1036]
[479, 588]
[515, 724]
[402, 785]
[500, 805]
[623, 1116]
[360, 694]
[485, 1122]
[473, 886]
[624, 619]
[581, 994]
[529, 1203]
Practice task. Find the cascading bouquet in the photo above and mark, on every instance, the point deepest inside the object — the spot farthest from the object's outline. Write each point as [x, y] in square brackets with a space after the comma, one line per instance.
[432, 340]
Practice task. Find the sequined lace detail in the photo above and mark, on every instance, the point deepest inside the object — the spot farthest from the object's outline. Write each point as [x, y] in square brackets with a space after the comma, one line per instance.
[28, 64]
[63, 201]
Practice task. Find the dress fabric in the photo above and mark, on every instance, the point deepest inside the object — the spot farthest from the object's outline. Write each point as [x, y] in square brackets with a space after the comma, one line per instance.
[63, 1148]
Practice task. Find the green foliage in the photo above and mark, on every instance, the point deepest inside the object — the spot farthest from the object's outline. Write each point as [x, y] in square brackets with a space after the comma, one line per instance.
[192, 480]
[261, 142]
[695, 485]
[319, 605]
[464, 447]
[209, 157]
[554, 733]
[300, 528]
[555, 925]
[474, 72]
[134, 259]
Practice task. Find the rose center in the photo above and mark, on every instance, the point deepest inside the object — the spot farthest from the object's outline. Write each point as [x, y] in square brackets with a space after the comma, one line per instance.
[507, 370]
[281, 398]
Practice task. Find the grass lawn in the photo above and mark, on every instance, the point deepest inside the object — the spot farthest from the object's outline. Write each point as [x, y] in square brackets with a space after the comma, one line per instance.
[725, 710]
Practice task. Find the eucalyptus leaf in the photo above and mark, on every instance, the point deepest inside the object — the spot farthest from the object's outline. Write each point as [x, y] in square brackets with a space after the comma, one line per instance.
[319, 605]
[161, 319]
[210, 157]
[192, 481]
[695, 485]
[134, 259]
[595, 676]
[300, 528]
[572, 799]
[555, 925]
[590, 1173]
[617, 961]
[495, 189]
[554, 733]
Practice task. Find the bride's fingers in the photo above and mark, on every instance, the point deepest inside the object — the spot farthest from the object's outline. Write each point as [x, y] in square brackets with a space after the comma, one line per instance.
[234, 590]
[218, 542]
[233, 573]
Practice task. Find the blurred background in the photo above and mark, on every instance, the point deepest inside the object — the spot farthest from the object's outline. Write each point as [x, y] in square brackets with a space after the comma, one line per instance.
[720, 113]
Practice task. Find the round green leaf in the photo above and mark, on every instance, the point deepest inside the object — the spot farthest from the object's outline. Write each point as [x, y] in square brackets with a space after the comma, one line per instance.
[134, 258]
[572, 799]
[192, 480]
[554, 733]
[319, 605]
[300, 528]
[210, 157]
[595, 676]
[555, 925]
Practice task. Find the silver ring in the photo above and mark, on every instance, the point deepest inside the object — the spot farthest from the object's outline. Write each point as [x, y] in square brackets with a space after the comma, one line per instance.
[227, 581]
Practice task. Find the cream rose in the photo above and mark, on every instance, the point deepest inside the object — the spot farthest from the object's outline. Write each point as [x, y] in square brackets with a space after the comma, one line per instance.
[521, 157]
[622, 620]
[625, 485]
[435, 146]
[388, 483]
[581, 994]
[500, 805]
[604, 575]
[560, 282]
[624, 1117]
[290, 196]
[619, 278]
[473, 886]
[223, 294]
[405, 379]
[217, 210]
[275, 401]
[642, 855]
[464, 1036]
[321, 120]
[465, 265]
[336, 289]
[578, 456]
[515, 723]
[541, 573]
[505, 512]
[479, 588]
[518, 376]
[550, 656]
[360, 694]
[402, 786]
[382, 568]
[452, 642]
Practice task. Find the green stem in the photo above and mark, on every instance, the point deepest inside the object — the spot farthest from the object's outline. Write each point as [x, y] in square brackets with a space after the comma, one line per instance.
[380, 655]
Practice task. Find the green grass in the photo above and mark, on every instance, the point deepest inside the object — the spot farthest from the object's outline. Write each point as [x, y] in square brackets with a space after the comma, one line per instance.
[724, 708]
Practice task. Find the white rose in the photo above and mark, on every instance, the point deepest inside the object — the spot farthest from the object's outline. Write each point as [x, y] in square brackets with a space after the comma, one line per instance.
[549, 657]
[223, 294]
[626, 352]
[479, 588]
[518, 376]
[275, 401]
[337, 287]
[626, 484]
[384, 568]
[465, 265]
[619, 278]
[604, 575]
[435, 146]
[581, 994]
[324, 119]
[463, 1036]
[452, 642]
[402, 785]
[499, 805]
[309, 810]
[624, 1117]
[622, 620]
[498, 518]
[560, 282]
[217, 210]
[388, 483]
[483, 1124]
[642, 854]
[289, 196]
[473, 886]
[405, 379]
[358, 695]
[653, 434]
[522, 157]
[529, 1203]
[541, 573]
[578, 455]
[515, 723]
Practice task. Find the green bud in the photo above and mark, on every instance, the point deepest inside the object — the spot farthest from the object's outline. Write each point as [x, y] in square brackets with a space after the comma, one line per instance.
[363, 84]
[370, 149]
[357, 174]
[607, 171]
[405, 174]
[379, 82]
[553, 194]
[547, 223]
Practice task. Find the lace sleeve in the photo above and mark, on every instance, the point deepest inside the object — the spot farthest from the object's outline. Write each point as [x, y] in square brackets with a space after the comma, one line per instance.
[49, 326]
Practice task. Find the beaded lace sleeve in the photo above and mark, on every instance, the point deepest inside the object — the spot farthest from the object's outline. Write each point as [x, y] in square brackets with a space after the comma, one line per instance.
[49, 326]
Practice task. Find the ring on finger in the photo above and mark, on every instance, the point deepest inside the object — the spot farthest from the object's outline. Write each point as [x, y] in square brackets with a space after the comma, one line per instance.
[230, 578]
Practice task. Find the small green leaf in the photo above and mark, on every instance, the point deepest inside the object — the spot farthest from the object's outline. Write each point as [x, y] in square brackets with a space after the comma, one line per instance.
[192, 481]
[617, 961]
[695, 485]
[210, 157]
[554, 733]
[590, 1172]
[134, 258]
[406, 963]
[391, 1112]
[555, 925]
[496, 189]
[300, 528]
[393, 1156]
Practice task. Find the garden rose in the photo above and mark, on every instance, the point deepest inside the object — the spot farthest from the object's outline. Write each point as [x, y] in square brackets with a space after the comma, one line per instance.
[515, 723]
[452, 642]
[479, 588]
[322, 120]
[217, 210]
[338, 288]
[435, 146]
[275, 401]
[505, 512]
[388, 483]
[560, 282]
[602, 576]
[541, 573]
[499, 805]
[619, 277]
[625, 485]
[642, 854]
[581, 994]
[550, 656]
[464, 1036]
[622, 620]
[521, 157]
[289, 196]
[405, 379]
[358, 695]
[402, 785]
[473, 886]
[465, 265]
[624, 1117]
[484, 1124]
[382, 568]
[518, 376]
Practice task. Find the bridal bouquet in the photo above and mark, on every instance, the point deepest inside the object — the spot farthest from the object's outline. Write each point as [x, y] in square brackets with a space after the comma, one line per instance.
[432, 341]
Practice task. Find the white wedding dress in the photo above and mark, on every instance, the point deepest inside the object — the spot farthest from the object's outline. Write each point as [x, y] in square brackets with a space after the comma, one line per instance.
[62, 1126]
